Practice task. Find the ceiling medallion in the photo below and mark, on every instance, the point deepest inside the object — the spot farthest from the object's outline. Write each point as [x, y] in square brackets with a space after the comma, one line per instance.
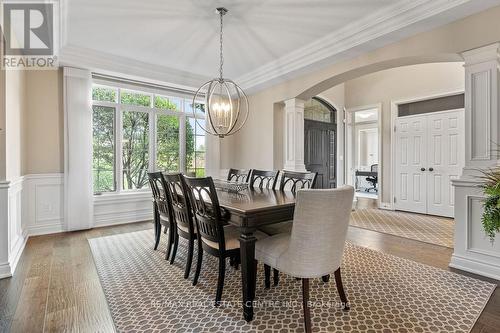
[226, 105]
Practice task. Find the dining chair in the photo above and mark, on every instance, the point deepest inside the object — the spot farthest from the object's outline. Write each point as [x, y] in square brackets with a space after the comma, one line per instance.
[183, 216]
[297, 180]
[214, 238]
[263, 179]
[315, 246]
[162, 209]
[293, 181]
[239, 175]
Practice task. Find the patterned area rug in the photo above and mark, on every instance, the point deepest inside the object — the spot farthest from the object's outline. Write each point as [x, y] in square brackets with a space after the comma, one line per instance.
[386, 294]
[425, 228]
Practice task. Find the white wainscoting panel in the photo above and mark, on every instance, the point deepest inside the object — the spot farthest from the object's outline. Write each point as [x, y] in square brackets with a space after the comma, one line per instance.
[44, 195]
[13, 239]
[473, 251]
[111, 209]
[17, 238]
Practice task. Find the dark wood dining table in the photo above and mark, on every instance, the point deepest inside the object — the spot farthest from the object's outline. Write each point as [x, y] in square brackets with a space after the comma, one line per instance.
[249, 210]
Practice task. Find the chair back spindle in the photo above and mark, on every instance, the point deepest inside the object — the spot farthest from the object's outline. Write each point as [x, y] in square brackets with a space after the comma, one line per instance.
[160, 194]
[263, 179]
[206, 208]
[239, 175]
[181, 205]
[297, 180]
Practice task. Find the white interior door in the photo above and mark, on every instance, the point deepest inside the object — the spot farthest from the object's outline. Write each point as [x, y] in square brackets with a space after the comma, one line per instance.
[429, 154]
[410, 161]
[445, 160]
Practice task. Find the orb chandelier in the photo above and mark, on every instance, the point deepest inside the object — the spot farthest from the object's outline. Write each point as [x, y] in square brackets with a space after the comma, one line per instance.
[226, 105]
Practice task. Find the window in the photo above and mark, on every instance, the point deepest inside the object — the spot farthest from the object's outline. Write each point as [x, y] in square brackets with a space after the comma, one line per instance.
[135, 144]
[318, 110]
[195, 141]
[104, 149]
[135, 132]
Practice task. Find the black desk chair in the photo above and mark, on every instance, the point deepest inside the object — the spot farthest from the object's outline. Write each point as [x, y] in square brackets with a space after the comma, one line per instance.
[373, 179]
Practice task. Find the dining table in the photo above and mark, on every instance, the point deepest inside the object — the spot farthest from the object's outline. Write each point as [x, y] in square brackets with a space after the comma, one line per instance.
[248, 210]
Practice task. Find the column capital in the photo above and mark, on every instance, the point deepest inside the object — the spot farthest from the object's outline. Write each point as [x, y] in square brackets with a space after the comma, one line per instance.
[294, 102]
[483, 54]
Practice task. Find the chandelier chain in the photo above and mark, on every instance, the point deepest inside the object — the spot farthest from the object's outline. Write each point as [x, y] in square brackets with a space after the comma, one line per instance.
[220, 44]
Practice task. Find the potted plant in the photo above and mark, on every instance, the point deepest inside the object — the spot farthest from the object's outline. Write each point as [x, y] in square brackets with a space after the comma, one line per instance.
[490, 183]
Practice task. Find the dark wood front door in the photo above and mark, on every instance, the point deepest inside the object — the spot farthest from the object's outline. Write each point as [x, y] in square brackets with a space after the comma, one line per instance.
[320, 152]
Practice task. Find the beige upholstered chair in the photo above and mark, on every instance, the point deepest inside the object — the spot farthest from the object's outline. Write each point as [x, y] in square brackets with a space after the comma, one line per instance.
[315, 246]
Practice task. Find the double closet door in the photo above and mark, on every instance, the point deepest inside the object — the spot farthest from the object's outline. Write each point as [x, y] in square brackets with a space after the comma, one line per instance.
[430, 153]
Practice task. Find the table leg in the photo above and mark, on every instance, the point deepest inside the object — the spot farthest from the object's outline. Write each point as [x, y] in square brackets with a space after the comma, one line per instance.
[248, 272]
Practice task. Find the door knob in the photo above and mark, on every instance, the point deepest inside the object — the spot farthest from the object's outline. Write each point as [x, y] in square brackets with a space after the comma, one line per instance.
[422, 169]
[431, 169]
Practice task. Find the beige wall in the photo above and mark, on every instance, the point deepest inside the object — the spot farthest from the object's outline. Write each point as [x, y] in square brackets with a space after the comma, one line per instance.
[33, 126]
[335, 96]
[399, 84]
[439, 45]
[44, 122]
[15, 109]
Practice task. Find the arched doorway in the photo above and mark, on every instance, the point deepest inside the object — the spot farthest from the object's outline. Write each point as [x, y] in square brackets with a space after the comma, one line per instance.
[320, 143]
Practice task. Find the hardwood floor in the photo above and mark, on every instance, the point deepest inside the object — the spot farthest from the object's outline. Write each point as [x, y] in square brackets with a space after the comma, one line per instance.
[56, 287]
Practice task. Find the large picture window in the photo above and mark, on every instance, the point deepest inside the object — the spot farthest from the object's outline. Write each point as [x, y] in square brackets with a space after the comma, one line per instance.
[135, 132]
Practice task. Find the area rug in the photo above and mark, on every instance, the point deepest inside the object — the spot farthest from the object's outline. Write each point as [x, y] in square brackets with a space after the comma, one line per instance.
[386, 294]
[425, 228]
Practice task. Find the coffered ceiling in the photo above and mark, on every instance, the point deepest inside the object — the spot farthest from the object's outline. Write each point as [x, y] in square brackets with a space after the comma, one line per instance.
[265, 41]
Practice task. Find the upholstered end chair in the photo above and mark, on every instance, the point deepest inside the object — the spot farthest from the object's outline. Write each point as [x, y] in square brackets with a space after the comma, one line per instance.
[315, 246]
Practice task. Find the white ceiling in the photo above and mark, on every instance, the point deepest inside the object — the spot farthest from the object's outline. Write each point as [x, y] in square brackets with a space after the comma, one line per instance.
[177, 41]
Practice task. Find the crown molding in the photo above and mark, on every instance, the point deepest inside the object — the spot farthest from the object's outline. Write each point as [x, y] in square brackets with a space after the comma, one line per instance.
[105, 63]
[335, 45]
[401, 20]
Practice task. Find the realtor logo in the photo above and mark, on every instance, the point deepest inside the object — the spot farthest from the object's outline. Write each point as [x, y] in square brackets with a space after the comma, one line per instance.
[29, 33]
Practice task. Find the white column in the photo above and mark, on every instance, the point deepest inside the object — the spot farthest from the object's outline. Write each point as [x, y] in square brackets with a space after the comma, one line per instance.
[294, 135]
[473, 251]
[78, 192]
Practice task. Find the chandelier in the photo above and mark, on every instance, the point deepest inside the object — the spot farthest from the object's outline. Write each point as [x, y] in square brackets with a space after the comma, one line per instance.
[225, 103]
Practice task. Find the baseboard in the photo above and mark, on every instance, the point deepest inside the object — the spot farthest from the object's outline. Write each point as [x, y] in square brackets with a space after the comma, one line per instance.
[17, 251]
[39, 230]
[386, 206]
[5, 271]
[475, 267]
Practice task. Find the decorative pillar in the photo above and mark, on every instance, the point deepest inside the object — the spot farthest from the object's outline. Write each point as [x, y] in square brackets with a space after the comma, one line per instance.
[473, 250]
[294, 135]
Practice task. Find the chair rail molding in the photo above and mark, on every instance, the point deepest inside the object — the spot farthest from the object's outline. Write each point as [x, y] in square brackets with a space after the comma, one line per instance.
[473, 251]
[294, 135]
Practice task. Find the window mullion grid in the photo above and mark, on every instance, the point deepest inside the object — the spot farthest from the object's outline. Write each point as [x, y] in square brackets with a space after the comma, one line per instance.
[119, 145]
[152, 137]
[182, 138]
